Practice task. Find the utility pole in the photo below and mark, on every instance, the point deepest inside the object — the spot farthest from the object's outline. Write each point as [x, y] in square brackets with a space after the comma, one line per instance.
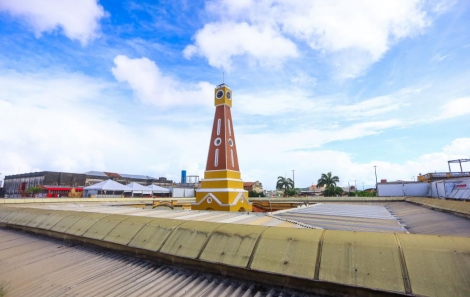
[376, 189]
[293, 177]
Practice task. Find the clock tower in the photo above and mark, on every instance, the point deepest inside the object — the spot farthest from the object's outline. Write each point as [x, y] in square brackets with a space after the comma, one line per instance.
[222, 187]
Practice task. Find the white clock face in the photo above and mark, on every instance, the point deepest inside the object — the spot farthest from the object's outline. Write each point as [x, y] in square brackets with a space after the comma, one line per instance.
[229, 95]
[219, 94]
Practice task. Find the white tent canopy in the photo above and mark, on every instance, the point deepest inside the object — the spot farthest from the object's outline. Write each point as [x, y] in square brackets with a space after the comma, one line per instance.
[139, 189]
[107, 187]
[157, 189]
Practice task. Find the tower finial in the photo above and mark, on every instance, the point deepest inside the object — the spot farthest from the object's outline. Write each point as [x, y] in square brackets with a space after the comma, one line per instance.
[223, 77]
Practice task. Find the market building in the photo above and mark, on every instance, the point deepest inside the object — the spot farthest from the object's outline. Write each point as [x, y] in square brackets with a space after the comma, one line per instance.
[59, 184]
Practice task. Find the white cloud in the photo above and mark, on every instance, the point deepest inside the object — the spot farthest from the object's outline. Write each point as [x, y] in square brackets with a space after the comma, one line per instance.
[459, 148]
[221, 41]
[79, 20]
[356, 33]
[455, 108]
[71, 122]
[152, 86]
[302, 79]
[309, 165]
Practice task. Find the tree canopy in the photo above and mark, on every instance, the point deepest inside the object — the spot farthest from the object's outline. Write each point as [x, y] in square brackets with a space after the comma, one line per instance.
[34, 190]
[284, 183]
[332, 191]
[327, 180]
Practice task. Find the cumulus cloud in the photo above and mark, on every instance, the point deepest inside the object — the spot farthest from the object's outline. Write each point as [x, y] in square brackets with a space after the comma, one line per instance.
[151, 86]
[309, 165]
[455, 108]
[221, 41]
[67, 120]
[356, 33]
[78, 20]
[72, 122]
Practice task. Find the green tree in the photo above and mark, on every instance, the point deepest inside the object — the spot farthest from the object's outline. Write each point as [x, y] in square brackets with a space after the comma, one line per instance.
[293, 192]
[332, 191]
[327, 180]
[34, 190]
[255, 194]
[362, 194]
[284, 183]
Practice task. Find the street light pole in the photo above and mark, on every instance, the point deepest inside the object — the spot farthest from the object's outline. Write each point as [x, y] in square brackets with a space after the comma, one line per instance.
[355, 186]
[376, 190]
[293, 177]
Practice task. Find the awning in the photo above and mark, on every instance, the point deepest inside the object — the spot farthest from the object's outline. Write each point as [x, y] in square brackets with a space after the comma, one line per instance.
[61, 188]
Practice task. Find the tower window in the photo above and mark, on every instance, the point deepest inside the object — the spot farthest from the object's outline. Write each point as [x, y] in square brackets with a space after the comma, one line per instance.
[231, 154]
[217, 141]
[229, 128]
[216, 159]
[218, 126]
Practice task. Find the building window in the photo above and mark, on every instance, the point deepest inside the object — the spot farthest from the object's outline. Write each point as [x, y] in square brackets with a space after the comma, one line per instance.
[218, 126]
[216, 160]
[229, 128]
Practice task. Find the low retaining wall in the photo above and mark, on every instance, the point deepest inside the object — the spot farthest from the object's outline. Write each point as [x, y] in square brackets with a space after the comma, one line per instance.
[452, 206]
[84, 200]
[322, 261]
[328, 199]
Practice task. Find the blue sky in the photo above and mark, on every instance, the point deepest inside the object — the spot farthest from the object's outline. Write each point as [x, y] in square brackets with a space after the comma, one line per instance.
[318, 86]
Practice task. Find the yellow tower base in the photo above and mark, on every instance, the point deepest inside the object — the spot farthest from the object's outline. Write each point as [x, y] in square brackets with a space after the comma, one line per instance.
[222, 190]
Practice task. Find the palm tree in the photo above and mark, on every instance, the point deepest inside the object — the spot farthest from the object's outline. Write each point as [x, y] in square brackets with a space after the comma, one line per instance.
[332, 191]
[327, 180]
[284, 183]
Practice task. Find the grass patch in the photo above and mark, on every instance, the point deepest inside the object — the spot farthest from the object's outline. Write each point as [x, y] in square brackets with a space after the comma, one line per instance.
[3, 289]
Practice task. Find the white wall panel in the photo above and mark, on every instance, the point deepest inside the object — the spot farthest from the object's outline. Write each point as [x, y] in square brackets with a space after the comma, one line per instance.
[390, 190]
[417, 189]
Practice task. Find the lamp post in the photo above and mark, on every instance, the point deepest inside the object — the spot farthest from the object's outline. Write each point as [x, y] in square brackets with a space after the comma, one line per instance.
[355, 187]
[293, 177]
[376, 190]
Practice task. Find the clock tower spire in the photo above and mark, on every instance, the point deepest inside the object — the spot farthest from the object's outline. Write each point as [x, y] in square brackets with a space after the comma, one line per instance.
[222, 187]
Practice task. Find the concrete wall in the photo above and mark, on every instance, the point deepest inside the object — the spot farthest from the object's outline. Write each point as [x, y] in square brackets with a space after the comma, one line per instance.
[183, 192]
[64, 179]
[415, 189]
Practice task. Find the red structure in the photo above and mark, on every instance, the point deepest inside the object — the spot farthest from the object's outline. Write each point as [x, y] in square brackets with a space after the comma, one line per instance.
[56, 191]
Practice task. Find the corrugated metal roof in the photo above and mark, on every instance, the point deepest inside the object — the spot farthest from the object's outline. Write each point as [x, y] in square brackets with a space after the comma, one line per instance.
[429, 265]
[345, 217]
[206, 216]
[134, 176]
[96, 173]
[423, 220]
[32, 265]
